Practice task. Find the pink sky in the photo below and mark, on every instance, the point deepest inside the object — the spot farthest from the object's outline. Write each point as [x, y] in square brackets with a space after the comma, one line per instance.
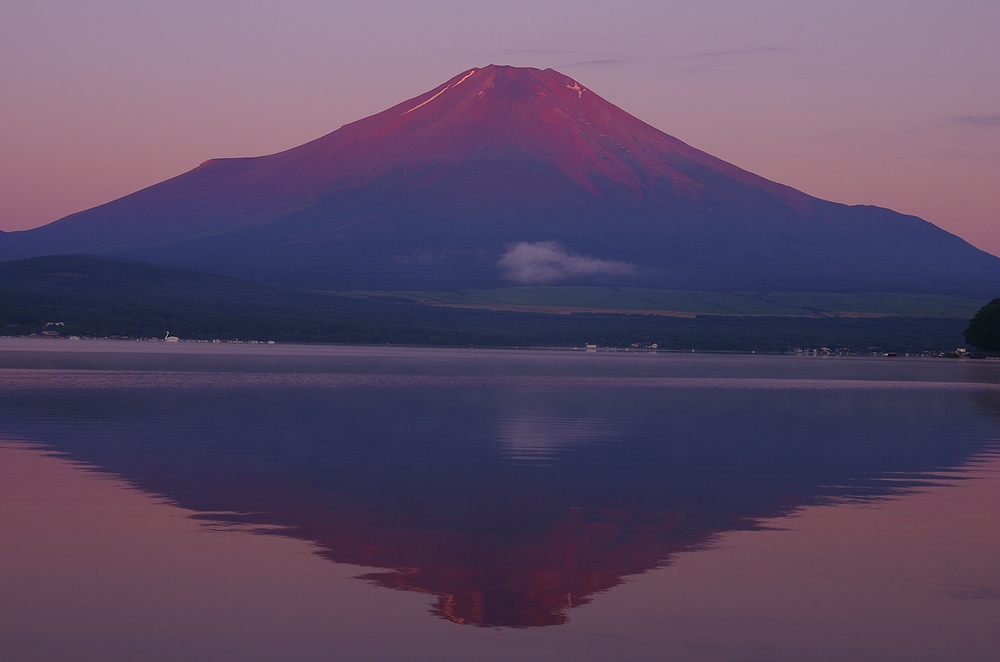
[896, 104]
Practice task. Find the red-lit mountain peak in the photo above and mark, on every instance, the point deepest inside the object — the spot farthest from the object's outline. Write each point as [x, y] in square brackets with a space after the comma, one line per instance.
[433, 192]
[502, 111]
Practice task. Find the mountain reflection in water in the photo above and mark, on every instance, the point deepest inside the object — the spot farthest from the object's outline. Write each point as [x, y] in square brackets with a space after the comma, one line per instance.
[512, 501]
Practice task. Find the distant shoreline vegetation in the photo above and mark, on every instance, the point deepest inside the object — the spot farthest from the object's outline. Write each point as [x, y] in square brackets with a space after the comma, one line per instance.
[687, 303]
[589, 347]
[85, 296]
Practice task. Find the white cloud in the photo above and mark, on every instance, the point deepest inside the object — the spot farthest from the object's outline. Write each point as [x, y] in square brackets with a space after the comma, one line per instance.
[547, 261]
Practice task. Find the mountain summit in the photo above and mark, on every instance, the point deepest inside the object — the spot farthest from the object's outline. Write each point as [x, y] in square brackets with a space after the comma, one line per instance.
[511, 175]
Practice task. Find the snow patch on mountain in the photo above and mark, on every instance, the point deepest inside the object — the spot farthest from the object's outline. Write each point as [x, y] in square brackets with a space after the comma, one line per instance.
[428, 101]
[464, 78]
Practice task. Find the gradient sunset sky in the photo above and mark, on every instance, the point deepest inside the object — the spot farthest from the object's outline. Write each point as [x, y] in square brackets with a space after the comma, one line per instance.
[894, 104]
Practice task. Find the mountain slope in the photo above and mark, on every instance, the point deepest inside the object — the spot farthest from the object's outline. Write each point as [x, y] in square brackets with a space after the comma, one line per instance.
[503, 175]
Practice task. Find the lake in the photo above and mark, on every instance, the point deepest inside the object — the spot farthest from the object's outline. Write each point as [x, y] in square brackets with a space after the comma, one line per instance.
[259, 502]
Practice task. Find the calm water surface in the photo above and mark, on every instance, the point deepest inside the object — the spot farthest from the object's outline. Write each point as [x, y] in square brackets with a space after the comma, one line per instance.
[235, 502]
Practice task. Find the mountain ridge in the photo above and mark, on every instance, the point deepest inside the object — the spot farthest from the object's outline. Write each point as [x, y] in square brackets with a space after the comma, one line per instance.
[438, 190]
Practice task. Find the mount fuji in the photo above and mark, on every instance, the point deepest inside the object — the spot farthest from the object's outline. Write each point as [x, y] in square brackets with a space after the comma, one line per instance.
[507, 175]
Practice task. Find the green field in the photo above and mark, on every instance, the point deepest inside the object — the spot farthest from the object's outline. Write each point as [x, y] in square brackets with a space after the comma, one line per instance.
[687, 303]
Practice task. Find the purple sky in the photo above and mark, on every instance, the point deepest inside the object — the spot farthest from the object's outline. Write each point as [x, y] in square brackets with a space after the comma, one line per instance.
[890, 103]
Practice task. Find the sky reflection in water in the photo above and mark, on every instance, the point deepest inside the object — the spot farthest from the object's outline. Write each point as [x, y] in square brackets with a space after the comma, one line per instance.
[510, 487]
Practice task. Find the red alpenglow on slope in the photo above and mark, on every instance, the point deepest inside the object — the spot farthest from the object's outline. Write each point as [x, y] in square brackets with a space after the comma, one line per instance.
[505, 111]
[506, 166]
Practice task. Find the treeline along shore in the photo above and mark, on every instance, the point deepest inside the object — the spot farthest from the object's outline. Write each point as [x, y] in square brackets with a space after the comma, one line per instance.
[88, 296]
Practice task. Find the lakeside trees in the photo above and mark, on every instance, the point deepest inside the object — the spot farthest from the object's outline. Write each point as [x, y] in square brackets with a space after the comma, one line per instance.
[984, 329]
